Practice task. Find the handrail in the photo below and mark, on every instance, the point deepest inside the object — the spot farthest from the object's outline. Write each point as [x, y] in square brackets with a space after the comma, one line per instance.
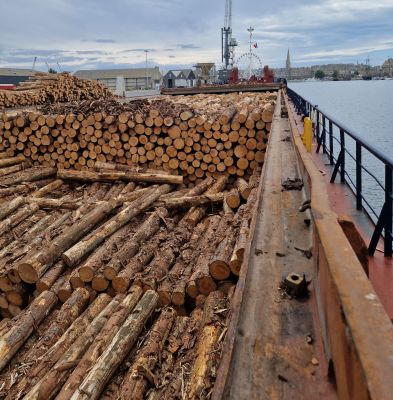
[384, 224]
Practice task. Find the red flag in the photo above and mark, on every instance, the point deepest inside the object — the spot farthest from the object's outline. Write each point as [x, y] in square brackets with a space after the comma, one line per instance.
[255, 45]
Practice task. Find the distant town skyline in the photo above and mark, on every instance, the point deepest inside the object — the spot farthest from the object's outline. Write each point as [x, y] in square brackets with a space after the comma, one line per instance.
[95, 34]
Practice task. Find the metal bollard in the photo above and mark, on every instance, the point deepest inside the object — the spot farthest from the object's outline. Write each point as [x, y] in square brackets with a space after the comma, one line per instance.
[307, 134]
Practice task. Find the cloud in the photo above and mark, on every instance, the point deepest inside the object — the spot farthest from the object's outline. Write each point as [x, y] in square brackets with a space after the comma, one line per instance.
[97, 34]
[100, 40]
[188, 46]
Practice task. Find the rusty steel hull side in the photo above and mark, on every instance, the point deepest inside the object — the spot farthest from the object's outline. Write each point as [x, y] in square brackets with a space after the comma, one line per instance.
[357, 333]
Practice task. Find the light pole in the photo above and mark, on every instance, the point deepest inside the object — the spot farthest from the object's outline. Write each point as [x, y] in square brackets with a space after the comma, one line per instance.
[147, 78]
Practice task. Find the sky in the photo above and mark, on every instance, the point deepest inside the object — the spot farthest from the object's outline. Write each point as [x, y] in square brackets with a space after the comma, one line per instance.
[97, 34]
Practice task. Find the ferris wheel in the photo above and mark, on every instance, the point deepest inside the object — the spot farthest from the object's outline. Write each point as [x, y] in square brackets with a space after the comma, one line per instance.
[249, 64]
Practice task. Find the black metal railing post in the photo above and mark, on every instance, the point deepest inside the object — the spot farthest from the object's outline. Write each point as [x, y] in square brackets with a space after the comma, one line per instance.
[389, 211]
[342, 142]
[358, 175]
[323, 134]
[317, 130]
[331, 145]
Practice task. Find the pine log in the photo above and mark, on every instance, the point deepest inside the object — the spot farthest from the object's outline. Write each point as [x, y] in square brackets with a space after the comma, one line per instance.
[219, 263]
[15, 219]
[113, 356]
[112, 176]
[13, 205]
[6, 162]
[72, 256]
[138, 377]
[49, 188]
[35, 265]
[123, 280]
[131, 247]
[195, 214]
[50, 277]
[51, 383]
[22, 328]
[45, 362]
[233, 199]
[68, 312]
[101, 342]
[168, 290]
[242, 186]
[53, 203]
[31, 175]
[15, 168]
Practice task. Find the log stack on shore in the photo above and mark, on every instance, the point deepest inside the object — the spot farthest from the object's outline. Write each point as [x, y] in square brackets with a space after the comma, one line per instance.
[45, 88]
[196, 136]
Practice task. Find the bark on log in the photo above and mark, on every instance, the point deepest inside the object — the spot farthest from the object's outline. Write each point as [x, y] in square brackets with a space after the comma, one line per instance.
[125, 338]
[219, 263]
[194, 201]
[22, 214]
[72, 256]
[31, 175]
[131, 247]
[233, 199]
[100, 343]
[6, 162]
[123, 280]
[195, 214]
[50, 277]
[49, 188]
[51, 383]
[22, 328]
[34, 266]
[242, 186]
[53, 203]
[49, 358]
[169, 290]
[13, 205]
[15, 168]
[87, 176]
[137, 379]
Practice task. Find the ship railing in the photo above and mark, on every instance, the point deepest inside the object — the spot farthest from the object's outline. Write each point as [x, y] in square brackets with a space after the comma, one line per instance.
[351, 158]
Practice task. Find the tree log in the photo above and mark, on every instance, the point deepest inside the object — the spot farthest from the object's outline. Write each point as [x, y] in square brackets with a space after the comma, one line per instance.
[131, 247]
[101, 342]
[6, 162]
[72, 256]
[22, 328]
[88, 176]
[51, 383]
[45, 362]
[113, 356]
[135, 382]
[34, 266]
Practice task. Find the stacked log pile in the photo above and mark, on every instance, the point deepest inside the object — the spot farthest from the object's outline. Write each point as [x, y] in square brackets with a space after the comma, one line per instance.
[196, 136]
[52, 88]
[117, 290]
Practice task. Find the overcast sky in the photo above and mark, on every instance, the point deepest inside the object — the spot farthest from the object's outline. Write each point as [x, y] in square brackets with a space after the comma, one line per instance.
[84, 34]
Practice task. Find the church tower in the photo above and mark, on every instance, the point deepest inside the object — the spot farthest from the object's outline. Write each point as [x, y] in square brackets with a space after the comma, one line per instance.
[288, 67]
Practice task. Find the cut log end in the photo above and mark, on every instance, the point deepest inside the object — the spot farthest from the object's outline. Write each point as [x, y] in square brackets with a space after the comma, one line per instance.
[219, 270]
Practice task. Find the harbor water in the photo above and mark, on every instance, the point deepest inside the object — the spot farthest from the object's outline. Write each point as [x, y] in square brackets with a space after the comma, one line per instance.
[366, 108]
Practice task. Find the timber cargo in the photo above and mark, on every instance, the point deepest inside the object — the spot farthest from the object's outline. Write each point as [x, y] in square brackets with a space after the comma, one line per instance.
[178, 247]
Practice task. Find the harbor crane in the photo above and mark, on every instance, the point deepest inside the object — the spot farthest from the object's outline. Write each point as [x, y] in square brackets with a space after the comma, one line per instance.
[228, 43]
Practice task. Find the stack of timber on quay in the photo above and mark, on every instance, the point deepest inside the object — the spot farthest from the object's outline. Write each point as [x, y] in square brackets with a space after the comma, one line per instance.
[51, 88]
[118, 268]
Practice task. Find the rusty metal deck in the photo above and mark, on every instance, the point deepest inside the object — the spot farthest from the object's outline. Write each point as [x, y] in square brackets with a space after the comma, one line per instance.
[268, 351]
